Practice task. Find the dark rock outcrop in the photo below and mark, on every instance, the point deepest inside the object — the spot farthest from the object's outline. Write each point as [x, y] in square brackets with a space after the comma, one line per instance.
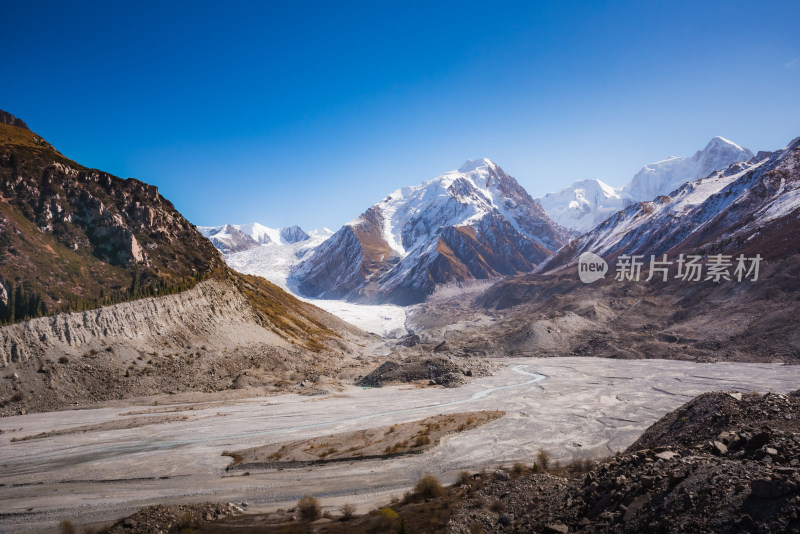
[11, 120]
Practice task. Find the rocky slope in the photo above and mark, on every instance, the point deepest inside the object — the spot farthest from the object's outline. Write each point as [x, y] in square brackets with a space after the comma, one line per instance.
[474, 223]
[587, 203]
[82, 241]
[739, 474]
[72, 237]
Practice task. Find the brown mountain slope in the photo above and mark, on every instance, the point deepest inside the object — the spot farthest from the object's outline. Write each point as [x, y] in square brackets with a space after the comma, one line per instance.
[72, 237]
[139, 303]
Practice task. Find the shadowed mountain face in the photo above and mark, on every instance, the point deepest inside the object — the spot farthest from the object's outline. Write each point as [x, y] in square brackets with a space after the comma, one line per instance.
[474, 223]
[75, 234]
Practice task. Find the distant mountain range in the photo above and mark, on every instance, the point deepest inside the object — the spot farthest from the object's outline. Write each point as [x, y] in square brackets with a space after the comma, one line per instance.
[743, 216]
[587, 203]
[748, 207]
[478, 223]
[473, 223]
[269, 252]
[231, 238]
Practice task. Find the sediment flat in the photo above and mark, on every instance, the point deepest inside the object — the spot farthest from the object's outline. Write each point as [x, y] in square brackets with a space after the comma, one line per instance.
[572, 407]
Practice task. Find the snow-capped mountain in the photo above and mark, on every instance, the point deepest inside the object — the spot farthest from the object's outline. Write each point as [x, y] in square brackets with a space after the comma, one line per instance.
[473, 223]
[232, 238]
[751, 207]
[587, 203]
[228, 238]
[274, 259]
[584, 204]
[663, 177]
[269, 252]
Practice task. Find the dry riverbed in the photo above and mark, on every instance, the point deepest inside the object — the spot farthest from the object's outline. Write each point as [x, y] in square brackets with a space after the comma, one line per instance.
[572, 407]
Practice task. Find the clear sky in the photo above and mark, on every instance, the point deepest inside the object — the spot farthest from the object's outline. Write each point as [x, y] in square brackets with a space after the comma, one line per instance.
[307, 113]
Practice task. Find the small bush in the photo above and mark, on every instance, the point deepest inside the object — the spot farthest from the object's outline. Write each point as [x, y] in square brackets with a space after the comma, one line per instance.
[66, 527]
[18, 397]
[187, 521]
[518, 468]
[582, 465]
[543, 459]
[348, 511]
[429, 487]
[422, 440]
[388, 513]
[309, 508]
[63, 360]
[464, 478]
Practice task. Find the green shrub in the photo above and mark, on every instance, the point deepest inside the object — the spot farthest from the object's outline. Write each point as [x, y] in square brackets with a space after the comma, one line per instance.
[429, 487]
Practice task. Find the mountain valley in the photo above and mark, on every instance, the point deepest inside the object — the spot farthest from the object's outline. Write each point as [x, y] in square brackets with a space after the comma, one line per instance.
[143, 359]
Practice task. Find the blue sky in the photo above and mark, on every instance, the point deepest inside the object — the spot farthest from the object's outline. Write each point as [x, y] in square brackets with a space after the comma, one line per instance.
[307, 113]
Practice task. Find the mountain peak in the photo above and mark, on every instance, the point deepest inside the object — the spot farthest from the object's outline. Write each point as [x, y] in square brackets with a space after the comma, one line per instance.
[11, 120]
[721, 142]
[474, 164]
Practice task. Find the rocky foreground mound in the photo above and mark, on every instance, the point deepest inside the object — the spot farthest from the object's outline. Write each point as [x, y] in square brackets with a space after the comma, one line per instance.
[721, 463]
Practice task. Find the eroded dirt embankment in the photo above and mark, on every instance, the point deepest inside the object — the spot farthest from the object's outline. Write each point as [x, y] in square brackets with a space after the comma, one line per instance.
[206, 339]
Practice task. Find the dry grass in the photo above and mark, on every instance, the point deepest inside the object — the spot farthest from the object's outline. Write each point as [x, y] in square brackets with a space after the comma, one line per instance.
[543, 459]
[347, 511]
[288, 317]
[429, 487]
[309, 509]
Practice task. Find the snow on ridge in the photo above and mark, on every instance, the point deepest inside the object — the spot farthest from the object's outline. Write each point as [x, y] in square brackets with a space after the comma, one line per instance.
[439, 201]
[726, 141]
[587, 203]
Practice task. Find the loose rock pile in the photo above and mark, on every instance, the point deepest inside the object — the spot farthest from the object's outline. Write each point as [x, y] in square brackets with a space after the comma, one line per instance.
[443, 371]
[161, 519]
[721, 463]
